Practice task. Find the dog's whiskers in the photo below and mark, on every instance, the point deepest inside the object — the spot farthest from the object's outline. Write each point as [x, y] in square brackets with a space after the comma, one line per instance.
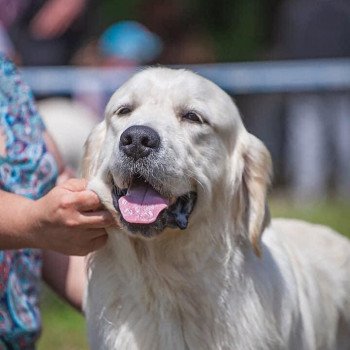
[191, 174]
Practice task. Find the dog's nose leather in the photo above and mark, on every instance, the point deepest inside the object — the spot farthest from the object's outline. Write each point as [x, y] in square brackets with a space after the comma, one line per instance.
[139, 141]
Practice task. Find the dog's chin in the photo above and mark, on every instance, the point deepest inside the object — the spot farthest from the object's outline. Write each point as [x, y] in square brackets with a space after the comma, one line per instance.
[135, 217]
[145, 231]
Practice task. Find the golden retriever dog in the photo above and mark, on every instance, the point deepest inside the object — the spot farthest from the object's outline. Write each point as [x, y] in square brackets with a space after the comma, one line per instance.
[196, 262]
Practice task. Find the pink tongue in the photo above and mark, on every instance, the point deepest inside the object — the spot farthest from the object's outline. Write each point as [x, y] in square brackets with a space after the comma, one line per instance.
[142, 204]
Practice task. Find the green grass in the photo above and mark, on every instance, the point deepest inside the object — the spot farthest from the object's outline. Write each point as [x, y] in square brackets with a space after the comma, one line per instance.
[335, 214]
[64, 328]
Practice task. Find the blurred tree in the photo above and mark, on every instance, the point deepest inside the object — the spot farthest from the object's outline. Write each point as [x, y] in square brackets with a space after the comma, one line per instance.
[240, 29]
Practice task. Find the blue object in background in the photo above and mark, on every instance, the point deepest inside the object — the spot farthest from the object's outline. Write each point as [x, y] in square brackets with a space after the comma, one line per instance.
[130, 40]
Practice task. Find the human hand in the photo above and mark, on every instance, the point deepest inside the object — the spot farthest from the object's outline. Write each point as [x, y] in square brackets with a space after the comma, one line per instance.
[55, 17]
[69, 220]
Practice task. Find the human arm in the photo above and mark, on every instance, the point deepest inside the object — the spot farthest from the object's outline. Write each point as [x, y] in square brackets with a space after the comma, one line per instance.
[66, 275]
[68, 220]
[55, 17]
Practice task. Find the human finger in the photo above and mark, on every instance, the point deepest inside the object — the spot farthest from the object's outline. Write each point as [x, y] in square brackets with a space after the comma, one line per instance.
[87, 200]
[96, 219]
[75, 185]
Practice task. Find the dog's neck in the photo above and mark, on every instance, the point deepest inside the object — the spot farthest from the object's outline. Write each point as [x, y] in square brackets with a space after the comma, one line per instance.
[177, 259]
[185, 280]
[174, 277]
[205, 244]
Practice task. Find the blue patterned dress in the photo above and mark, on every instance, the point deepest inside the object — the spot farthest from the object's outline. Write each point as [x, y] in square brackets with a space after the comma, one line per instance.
[26, 168]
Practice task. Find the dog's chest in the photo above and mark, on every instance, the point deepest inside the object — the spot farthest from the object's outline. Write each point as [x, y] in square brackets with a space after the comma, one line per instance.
[130, 324]
[144, 310]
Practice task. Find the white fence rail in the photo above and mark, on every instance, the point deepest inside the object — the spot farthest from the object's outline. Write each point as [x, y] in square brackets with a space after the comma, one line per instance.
[236, 78]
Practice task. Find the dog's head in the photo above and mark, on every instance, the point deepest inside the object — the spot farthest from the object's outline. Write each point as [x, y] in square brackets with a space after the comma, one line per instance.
[173, 143]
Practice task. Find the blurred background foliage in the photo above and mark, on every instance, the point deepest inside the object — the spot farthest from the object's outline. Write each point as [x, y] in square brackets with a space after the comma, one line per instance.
[240, 30]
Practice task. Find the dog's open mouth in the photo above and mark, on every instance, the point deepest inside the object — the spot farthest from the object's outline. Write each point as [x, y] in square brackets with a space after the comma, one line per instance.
[145, 211]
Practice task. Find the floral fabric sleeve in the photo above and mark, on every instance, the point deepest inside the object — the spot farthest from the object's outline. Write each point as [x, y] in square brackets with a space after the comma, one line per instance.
[26, 168]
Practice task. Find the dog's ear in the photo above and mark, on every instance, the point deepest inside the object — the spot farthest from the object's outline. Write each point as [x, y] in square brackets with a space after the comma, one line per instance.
[255, 182]
[91, 160]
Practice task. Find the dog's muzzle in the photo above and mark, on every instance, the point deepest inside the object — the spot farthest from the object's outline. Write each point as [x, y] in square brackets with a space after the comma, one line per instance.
[143, 206]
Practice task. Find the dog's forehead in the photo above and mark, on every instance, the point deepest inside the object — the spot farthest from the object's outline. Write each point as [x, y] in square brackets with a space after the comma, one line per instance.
[166, 79]
[178, 84]
[178, 88]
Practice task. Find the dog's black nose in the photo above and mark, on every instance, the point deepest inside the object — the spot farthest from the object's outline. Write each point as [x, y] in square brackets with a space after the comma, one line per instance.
[139, 141]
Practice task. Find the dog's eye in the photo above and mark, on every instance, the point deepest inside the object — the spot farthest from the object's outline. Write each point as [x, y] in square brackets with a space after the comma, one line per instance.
[193, 117]
[123, 110]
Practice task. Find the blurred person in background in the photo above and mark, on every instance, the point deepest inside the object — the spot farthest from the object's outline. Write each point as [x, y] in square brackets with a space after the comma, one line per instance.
[129, 43]
[44, 32]
[48, 32]
[39, 222]
[124, 44]
[318, 124]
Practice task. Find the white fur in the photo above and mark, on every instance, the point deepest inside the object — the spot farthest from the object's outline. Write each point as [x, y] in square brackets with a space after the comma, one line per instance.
[219, 284]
